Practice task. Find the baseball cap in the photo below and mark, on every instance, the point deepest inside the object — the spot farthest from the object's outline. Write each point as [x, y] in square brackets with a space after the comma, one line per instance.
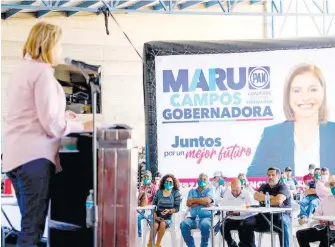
[147, 173]
[219, 174]
[288, 169]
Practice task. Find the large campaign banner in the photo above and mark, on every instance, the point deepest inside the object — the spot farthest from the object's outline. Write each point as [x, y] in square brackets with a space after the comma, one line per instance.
[245, 112]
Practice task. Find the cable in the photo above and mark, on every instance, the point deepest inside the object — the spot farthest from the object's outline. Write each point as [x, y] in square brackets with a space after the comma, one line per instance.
[126, 36]
[108, 13]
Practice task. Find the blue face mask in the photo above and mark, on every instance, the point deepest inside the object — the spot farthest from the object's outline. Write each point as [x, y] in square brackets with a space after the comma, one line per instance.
[333, 190]
[283, 180]
[147, 181]
[202, 184]
[242, 182]
[168, 186]
[221, 181]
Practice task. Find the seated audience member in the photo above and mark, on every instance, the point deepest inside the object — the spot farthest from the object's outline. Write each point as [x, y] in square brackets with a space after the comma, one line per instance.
[311, 201]
[244, 182]
[218, 185]
[288, 173]
[146, 193]
[290, 184]
[310, 176]
[167, 199]
[319, 231]
[198, 198]
[280, 196]
[234, 197]
[322, 188]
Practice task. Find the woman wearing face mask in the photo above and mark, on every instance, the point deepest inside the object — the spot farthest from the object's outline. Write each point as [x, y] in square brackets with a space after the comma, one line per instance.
[145, 197]
[167, 199]
[35, 123]
[306, 137]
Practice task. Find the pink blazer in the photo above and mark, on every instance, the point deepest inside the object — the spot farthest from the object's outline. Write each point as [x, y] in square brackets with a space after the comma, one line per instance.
[35, 121]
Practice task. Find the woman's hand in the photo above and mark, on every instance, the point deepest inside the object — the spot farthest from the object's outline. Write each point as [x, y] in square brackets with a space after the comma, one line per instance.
[70, 114]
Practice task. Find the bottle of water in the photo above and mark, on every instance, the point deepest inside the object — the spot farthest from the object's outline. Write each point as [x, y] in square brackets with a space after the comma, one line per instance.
[267, 200]
[89, 210]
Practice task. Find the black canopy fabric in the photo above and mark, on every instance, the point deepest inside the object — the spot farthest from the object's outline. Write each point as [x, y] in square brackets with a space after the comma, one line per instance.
[171, 48]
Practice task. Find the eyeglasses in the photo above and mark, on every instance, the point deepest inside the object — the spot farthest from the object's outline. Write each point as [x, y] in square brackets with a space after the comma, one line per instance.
[168, 181]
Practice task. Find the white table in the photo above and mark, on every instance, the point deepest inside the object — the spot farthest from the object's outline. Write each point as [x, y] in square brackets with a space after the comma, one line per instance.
[328, 219]
[152, 208]
[258, 210]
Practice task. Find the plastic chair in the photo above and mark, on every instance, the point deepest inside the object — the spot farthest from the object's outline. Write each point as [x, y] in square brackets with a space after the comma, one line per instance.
[260, 237]
[192, 231]
[276, 235]
[172, 230]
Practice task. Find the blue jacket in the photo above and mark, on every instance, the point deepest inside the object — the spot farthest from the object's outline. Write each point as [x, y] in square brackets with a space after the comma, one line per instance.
[276, 148]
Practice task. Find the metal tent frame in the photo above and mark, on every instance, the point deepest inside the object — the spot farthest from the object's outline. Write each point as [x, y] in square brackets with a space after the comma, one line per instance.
[271, 11]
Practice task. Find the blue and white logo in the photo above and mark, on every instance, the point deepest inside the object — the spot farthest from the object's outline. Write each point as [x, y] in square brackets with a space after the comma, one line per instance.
[259, 77]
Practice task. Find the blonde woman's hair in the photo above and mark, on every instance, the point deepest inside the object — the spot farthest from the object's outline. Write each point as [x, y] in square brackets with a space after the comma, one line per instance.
[299, 70]
[41, 40]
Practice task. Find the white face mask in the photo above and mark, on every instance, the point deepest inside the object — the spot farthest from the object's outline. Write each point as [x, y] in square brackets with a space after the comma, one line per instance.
[324, 178]
[311, 171]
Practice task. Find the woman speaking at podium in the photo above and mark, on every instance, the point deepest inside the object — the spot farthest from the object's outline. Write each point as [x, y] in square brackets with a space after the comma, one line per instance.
[36, 122]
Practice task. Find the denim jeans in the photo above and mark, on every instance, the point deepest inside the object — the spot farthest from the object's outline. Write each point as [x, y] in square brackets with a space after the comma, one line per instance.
[141, 218]
[259, 224]
[31, 182]
[204, 224]
[308, 205]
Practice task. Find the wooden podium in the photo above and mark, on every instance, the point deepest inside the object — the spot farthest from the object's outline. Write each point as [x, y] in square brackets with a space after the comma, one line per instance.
[117, 184]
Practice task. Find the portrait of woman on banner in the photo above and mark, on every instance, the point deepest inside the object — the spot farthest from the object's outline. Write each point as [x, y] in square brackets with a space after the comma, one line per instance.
[306, 137]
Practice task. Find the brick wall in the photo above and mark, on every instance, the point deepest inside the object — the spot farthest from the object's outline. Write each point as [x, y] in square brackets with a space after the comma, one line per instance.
[85, 39]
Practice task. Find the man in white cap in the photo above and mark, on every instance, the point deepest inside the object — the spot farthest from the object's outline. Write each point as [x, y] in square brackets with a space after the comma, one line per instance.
[218, 185]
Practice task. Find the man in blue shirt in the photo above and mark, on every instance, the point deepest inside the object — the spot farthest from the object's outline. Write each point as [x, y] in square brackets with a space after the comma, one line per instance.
[311, 201]
[198, 198]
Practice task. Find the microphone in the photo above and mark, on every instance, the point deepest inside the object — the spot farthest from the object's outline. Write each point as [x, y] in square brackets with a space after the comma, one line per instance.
[83, 66]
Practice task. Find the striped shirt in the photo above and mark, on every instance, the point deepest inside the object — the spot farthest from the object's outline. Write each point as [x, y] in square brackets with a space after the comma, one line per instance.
[162, 202]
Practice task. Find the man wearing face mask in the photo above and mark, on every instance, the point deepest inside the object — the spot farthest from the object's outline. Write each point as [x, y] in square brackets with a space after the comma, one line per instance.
[307, 178]
[322, 185]
[319, 231]
[280, 196]
[311, 201]
[289, 183]
[145, 196]
[218, 185]
[198, 198]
